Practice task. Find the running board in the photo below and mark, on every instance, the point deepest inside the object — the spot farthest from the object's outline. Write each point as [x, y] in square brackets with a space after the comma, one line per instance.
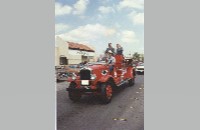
[123, 82]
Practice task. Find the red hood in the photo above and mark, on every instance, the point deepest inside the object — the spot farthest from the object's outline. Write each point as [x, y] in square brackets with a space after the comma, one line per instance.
[100, 67]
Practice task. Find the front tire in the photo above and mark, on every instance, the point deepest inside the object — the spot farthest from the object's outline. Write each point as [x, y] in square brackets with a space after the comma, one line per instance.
[106, 93]
[74, 96]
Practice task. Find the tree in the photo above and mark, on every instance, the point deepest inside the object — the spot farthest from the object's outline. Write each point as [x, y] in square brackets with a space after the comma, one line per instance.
[143, 59]
[136, 56]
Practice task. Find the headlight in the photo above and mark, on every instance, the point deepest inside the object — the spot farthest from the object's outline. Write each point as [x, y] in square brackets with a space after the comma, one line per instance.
[74, 76]
[104, 72]
[93, 77]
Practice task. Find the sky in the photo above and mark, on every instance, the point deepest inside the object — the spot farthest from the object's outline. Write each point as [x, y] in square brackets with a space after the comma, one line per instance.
[99, 22]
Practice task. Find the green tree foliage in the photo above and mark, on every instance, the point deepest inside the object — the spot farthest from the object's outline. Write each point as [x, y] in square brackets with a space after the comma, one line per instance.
[136, 56]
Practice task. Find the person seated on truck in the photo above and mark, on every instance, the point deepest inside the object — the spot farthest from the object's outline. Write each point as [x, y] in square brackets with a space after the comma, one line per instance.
[110, 48]
[119, 49]
[111, 60]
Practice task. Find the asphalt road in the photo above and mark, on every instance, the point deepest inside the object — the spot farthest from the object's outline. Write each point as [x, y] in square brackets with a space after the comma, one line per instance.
[125, 112]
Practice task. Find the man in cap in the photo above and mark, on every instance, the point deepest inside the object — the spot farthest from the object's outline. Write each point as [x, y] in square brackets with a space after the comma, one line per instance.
[119, 49]
[110, 48]
[111, 60]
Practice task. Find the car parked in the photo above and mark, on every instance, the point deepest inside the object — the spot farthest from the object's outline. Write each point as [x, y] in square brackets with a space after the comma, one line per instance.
[140, 68]
[63, 72]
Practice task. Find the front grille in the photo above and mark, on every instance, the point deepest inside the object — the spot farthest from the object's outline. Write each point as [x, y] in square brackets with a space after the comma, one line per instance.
[85, 74]
[140, 68]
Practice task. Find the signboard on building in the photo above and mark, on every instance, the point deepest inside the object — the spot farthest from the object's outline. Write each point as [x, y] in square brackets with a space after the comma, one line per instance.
[82, 53]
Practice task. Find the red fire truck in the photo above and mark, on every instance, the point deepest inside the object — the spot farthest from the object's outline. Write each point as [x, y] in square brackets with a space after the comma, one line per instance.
[96, 79]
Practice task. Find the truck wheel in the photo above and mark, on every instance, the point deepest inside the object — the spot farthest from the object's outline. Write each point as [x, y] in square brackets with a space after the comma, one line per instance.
[106, 93]
[134, 73]
[74, 96]
[131, 82]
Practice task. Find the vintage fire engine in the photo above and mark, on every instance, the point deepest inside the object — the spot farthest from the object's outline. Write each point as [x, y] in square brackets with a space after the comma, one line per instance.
[96, 79]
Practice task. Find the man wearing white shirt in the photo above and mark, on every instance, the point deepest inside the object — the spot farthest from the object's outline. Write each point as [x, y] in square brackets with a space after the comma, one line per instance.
[111, 60]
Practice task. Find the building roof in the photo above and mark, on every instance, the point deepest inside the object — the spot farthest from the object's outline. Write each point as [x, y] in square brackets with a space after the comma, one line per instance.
[78, 46]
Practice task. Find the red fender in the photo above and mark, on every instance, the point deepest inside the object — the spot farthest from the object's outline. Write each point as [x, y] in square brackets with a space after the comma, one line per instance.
[69, 79]
[105, 78]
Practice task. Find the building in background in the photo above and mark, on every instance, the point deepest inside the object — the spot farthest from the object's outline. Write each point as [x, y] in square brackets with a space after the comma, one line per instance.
[67, 52]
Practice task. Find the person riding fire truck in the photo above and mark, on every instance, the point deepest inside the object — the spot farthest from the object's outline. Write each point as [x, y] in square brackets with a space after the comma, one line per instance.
[111, 60]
